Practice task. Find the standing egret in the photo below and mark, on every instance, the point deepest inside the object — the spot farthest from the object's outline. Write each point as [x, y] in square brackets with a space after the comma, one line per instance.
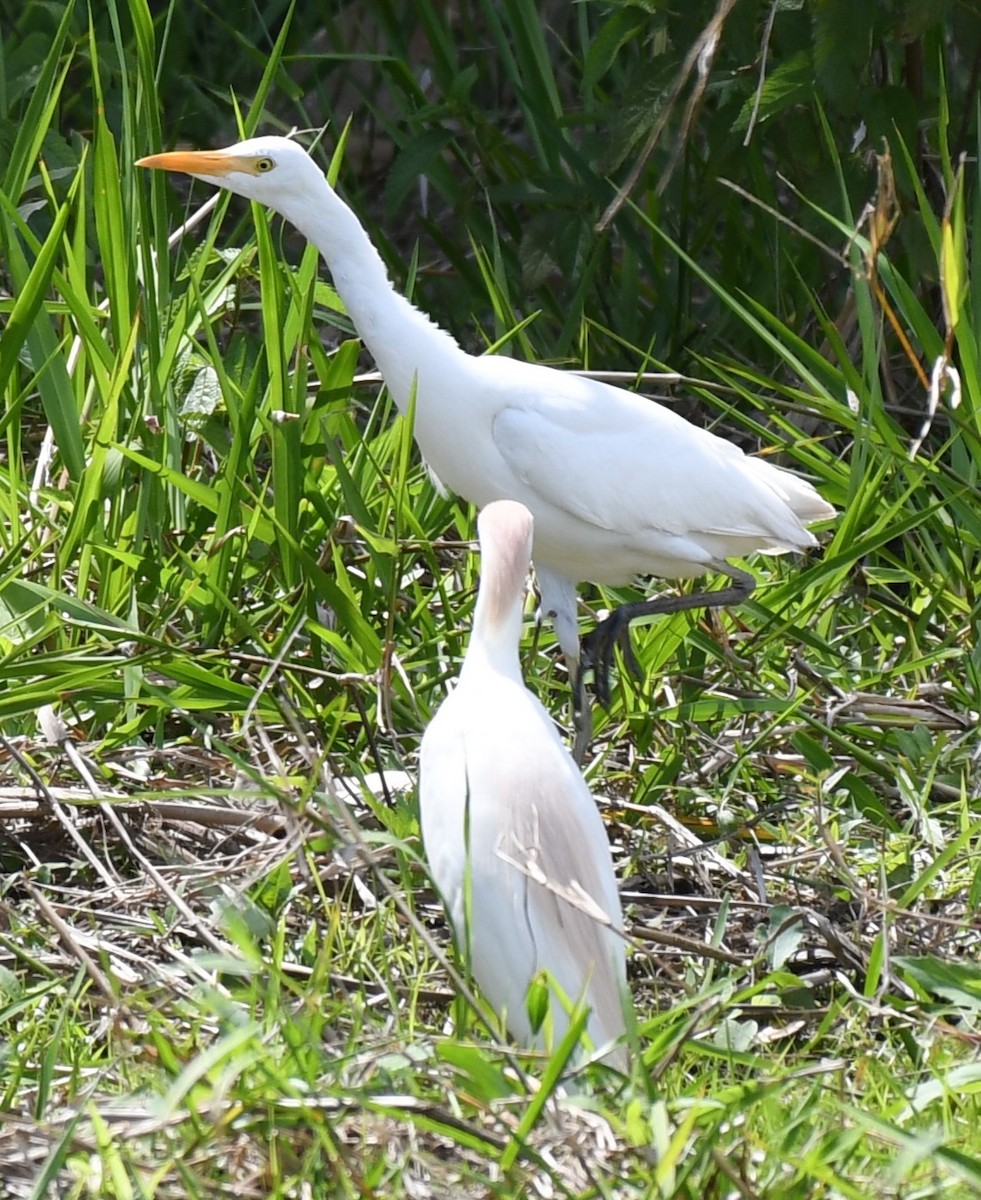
[619, 486]
[514, 841]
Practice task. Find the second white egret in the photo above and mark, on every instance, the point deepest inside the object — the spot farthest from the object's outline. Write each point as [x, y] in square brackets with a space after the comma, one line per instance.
[514, 841]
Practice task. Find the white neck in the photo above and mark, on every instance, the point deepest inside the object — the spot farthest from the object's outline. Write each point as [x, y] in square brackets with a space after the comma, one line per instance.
[401, 338]
[505, 530]
[493, 645]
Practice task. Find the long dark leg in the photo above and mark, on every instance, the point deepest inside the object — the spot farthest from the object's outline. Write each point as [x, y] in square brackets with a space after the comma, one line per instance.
[582, 718]
[598, 646]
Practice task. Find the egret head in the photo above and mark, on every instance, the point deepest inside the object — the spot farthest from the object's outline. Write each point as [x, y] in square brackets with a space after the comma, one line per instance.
[273, 170]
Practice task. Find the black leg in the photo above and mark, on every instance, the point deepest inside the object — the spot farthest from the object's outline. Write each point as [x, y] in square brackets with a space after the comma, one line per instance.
[598, 647]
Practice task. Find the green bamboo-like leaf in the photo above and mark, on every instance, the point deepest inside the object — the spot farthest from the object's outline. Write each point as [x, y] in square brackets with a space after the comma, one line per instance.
[953, 254]
[40, 112]
[89, 495]
[138, 12]
[29, 325]
[272, 73]
[279, 397]
[200, 493]
[107, 206]
[620, 27]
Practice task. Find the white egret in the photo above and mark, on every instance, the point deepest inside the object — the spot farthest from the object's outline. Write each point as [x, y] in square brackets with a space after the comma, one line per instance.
[514, 841]
[619, 486]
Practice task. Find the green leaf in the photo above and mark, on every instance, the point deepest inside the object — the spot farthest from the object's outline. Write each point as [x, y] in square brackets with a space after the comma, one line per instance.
[29, 324]
[620, 27]
[791, 82]
[735, 1035]
[537, 1002]
[36, 120]
[483, 1078]
[957, 982]
[961, 1081]
[786, 937]
[815, 755]
[843, 32]
[954, 267]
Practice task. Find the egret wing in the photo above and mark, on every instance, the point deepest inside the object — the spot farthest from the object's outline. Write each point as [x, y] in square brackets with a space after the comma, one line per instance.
[462, 821]
[628, 465]
[540, 854]
[443, 802]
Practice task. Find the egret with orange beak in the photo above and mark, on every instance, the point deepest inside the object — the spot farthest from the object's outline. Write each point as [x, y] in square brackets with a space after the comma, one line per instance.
[619, 486]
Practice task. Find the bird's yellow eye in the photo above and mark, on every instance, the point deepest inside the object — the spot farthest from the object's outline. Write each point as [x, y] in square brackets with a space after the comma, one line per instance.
[262, 165]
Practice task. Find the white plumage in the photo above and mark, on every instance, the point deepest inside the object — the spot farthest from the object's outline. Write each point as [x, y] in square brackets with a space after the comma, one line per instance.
[618, 485]
[506, 814]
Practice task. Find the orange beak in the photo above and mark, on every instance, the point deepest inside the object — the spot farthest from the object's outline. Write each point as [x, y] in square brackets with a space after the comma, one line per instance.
[215, 163]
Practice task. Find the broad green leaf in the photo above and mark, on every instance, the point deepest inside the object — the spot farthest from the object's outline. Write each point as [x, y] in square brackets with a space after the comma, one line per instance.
[957, 982]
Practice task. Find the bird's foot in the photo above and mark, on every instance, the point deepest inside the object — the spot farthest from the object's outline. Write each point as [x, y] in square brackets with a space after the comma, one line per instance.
[598, 649]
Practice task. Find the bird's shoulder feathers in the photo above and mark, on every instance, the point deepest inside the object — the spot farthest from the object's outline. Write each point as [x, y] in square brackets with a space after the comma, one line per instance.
[630, 466]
